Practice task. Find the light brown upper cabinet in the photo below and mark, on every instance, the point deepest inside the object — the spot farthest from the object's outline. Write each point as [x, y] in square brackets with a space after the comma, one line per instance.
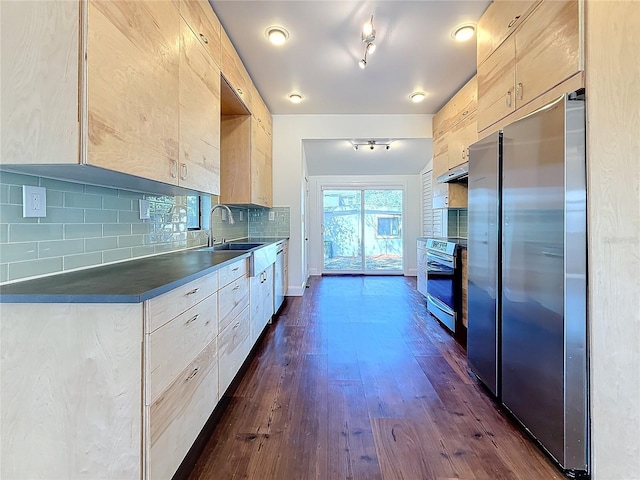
[205, 24]
[199, 116]
[132, 67]
[500, 19]
[454, 129]
[544, 51]
[112, 99]
[234, 72]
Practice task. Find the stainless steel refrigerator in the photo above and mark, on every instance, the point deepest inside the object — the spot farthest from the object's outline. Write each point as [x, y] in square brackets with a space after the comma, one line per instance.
[527, 327]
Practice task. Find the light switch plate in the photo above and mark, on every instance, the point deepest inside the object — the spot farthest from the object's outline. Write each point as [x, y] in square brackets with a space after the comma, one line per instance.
[241, 215]
[34, 201]
[144, 209]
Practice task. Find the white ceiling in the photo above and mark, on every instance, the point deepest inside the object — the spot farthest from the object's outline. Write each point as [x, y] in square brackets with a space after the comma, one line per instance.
[337, 157]
[415, 51]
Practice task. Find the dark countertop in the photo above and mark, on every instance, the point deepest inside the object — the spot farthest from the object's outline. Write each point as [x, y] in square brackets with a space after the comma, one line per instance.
[133, 281]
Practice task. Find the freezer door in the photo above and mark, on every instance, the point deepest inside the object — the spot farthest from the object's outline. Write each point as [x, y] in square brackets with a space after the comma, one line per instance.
[540, 338]
[483, 260]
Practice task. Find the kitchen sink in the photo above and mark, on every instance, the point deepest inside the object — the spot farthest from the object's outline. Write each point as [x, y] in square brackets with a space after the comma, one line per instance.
[231, 246]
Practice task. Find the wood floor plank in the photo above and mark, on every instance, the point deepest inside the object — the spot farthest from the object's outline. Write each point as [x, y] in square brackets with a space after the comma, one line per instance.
[356, 381]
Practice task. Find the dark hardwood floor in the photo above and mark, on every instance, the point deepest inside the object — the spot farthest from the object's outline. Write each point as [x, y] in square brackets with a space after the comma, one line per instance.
[356, 381]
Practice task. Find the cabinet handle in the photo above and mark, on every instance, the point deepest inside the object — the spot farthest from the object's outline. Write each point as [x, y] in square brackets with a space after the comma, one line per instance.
[192, 319]
[193, 374]
[236, 325]
[512, 22]
[236, 287]
[464, 153]
[195, 290]
[465, 113]
[204, 39]
[174, 169]
[519, 91]
[240, 91]
[508, 99]
[235, 269]
[185, 171]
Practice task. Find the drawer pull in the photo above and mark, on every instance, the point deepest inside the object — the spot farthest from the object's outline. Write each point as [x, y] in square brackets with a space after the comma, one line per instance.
[236, 287]
[204, 39]
[508, 99]
[192, 319]
[236, 325]
[519, 91]
[195, 290]
[235, 269]
[193, 374]
[240, 91]
[512, 22]
[174, 169]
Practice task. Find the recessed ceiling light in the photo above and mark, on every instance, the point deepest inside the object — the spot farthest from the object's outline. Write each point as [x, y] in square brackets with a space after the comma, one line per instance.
[462, 33]
[417, 97]
[295, 98]
[277, 35]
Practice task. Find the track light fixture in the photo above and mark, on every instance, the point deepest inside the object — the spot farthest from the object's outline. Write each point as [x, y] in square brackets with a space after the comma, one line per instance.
[372, 144]
[368, 36]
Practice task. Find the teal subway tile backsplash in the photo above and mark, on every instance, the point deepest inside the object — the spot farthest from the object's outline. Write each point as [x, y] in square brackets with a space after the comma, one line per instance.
[85, 226]
[34, 268]
[35, 232]
[18, 252]
[260, 224]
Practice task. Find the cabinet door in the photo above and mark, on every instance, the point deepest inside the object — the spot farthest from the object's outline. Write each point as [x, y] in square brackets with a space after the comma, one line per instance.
[547, 49]
[232, 300]
[199, 116]
[234, 71]
[267, 298]
[234, 344]
[178, 415]
[39, 114]
[205, 25]
[261, 166]
[132, 75]
[500, 19]
[462, 135]
[496, 79]
[256, 306]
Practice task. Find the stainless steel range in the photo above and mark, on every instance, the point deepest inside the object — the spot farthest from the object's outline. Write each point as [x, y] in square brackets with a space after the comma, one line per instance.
[444, 282]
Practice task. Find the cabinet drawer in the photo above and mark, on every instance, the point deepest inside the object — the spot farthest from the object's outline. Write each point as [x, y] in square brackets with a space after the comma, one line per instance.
[229, 273]
[173, 346]
[163, 308]
[203, 21]
[233, 299]
[234, 344]
[178, 415]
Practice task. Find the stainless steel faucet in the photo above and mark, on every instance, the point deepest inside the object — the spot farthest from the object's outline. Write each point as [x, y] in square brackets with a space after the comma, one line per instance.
[212, 239]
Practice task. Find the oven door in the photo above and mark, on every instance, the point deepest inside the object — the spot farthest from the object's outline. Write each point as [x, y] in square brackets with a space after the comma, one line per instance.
[441, 288]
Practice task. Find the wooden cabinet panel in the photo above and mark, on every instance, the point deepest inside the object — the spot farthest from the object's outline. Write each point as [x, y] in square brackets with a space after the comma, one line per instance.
[261, 167]
[231, 272]
[172, 346]
[461, 105]
[199, 116]
[461, 136]
[164, 307]
[178, 415]
[71, 390]
[132, 57]
[205, 25]
[547, 49]
[500, 19]
[233, 299]
[39, 114]
[234, 344]
[234, 71]
[496, 85]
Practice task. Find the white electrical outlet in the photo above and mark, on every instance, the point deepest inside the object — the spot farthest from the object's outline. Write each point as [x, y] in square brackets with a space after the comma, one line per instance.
[34, 201]
[144, 209]
[272, 216]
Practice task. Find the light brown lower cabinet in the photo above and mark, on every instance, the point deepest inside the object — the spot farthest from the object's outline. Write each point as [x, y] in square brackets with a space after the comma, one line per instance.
[106, 391]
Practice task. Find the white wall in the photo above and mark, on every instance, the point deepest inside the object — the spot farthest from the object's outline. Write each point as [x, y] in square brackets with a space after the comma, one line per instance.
[288, 175]
[412, 222]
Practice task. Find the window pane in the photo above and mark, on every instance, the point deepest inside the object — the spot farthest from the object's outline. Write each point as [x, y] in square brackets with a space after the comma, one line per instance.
[193, 212]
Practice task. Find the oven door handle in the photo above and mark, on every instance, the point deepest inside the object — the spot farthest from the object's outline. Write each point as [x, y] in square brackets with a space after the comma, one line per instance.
[441, 259]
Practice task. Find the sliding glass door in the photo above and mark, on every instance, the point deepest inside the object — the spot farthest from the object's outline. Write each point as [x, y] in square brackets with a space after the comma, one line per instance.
[362, 230]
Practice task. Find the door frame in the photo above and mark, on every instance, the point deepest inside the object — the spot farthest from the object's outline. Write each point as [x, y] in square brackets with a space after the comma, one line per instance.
[322, 186]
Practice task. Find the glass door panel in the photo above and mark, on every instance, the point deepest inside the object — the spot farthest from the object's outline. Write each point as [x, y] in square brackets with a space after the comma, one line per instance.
[383, 230]
[342, 227]
[362, 231]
